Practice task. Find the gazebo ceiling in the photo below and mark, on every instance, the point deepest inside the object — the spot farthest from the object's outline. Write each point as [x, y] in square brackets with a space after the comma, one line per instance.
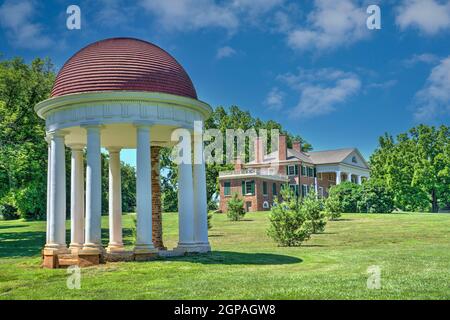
[123, 64]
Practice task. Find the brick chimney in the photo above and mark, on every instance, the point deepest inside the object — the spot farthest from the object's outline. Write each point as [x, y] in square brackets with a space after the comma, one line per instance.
[238, 164]
[282, 148]
[297, 146]
[259, 150]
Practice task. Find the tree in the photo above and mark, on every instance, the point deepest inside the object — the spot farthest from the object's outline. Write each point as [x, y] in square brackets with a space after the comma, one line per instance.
[235, 208]
[376, 197]
[312, 208]
[348, 195]
[288, 224]
[333, 208]
[23, 150]
[416, 167]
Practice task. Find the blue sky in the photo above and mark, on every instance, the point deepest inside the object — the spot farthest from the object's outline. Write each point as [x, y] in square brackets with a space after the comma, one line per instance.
[311, 65]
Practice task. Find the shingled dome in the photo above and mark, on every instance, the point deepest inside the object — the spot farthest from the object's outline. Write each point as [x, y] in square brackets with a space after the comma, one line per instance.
[123, 64]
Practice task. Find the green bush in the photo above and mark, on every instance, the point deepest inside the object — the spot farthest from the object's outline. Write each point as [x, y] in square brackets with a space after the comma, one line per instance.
[288, 224]
[333, 207]
[312, 208]
[210, 216]
[376, 198]
[8, 209]
[348, 194]
[29, 204]
[235, 208]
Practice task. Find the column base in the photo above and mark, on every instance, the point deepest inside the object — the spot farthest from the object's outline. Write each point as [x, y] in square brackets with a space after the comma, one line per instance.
[115, 247]
[75, 247]
[145, 252]
[192, 248]
[50, 255]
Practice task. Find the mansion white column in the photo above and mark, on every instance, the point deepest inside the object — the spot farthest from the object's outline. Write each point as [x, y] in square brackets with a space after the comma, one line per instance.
[77, 198]
[338, 177]
[185, 204]
[56, 238]
[115, 201]
[200, 198]
[349, 177]
[93, 190]
[144, 243]
[358, 179]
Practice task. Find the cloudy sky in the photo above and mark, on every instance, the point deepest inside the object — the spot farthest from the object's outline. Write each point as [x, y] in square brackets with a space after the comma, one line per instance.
[312, 65]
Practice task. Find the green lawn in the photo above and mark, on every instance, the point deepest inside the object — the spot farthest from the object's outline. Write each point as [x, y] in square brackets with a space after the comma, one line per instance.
[413, 251]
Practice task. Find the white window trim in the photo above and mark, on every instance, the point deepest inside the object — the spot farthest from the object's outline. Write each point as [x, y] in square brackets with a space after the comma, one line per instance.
[289, 171]
[248, 193]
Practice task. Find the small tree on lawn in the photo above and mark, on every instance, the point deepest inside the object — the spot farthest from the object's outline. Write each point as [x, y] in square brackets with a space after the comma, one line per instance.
[235, 211]
[312, 208]
[333, 208]
[288, 224]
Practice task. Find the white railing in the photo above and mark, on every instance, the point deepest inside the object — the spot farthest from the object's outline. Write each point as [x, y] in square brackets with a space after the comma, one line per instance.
[272, 172]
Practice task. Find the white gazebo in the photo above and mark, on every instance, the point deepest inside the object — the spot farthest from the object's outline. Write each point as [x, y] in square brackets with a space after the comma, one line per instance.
[115, 94]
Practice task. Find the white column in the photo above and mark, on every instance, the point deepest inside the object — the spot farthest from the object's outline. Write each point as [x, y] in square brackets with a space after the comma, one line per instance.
[93, 190]
[358, 179]
[115, 202]
[57, 225]
[186, 240]
[49, 169]
[77, 198]
[338, 177]
[200, 198]
[349, 177]
[144, 242]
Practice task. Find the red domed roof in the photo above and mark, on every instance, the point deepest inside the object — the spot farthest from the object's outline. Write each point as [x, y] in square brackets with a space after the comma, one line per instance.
[123, 64]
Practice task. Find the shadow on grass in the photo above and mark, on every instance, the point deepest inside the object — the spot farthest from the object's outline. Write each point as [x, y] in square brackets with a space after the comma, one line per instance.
[13, 226]
[29, 244]
[238, 258]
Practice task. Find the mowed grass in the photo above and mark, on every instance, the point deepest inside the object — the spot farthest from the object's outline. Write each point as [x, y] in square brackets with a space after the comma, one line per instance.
[412, 250]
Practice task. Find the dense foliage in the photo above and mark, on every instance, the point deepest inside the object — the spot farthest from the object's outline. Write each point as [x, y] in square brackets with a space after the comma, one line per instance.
[235, 208]
[416, 167]
[23, 149]
[370, 197]
[289, 225]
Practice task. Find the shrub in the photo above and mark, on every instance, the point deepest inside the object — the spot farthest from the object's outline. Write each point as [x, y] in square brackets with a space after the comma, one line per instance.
[348, 194]
[333, 207]
[29, 204]
[210, 216]
[312, 208]
[288, 224]
[235, 210]
[376, 198]
[8, 210]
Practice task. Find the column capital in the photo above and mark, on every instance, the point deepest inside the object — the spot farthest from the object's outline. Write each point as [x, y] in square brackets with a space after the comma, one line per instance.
[114, 149]
[56, 134]
[76, 146]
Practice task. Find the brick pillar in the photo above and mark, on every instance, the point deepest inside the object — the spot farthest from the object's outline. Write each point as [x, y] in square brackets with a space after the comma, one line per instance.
[156, 201]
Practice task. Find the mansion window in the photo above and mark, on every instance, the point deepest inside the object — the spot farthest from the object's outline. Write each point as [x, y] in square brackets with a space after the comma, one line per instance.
[265, 188]
[304, 171]
[292, 170]
[274, 189]
[304, 190]
[294, 188]
[227, 189]
[248, 188]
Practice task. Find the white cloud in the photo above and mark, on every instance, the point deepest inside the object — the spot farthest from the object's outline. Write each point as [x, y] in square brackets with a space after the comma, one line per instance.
[429, 16]
[225, 52]
[321, 91]
[183, 15]
[382, 85]
[16, 18]
[275, 99]
[329, 25]
[427, 58]
[434, 99]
